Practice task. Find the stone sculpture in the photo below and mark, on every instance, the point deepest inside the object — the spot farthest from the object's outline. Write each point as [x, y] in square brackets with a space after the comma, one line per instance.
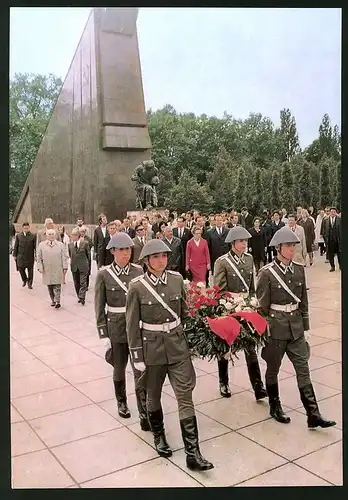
[146, 179]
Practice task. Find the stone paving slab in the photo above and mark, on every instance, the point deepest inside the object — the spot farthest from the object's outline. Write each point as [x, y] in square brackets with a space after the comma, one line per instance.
[64, 415]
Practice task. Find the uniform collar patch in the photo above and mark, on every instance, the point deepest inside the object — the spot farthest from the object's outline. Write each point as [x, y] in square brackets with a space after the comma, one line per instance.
[236, 258]
[284, 268]
[121, 270]
[155, 280]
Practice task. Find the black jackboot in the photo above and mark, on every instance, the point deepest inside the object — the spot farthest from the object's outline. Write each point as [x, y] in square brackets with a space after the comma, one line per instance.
[157, 427]
[256, 380]
[276, 410]
[223, 378]
[141, 403]
[314, 419]
[121, 398]
[194, 459]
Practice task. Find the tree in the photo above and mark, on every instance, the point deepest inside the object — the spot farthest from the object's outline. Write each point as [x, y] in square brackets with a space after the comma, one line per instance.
[337, 186]
[240, 195]
[287, 187]
[305, 185]
[257, 198]
[287, 137]
[315, 185]
[325, 190]
[32, 98]
[275, 194]
[221, 181]
[266, 181]
[188, 194]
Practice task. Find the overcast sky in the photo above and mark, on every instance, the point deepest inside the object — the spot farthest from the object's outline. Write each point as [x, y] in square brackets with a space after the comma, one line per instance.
[209, 60]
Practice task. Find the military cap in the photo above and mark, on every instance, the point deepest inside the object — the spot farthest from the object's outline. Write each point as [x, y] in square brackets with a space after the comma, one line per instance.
[237, 233]
[284, 235]
[152, 247]
[120, 240]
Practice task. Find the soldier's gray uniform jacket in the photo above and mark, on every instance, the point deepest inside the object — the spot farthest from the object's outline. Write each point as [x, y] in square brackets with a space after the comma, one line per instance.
[226, 271]
[272, 297]
[110, 300]
[155, 336]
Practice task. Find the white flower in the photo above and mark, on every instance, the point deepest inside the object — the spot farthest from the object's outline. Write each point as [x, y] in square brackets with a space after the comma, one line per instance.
[254, 302]
[200, 284]
[228, 306]
[222, 302]
[238, 309]
[238, 300]
[186, 282]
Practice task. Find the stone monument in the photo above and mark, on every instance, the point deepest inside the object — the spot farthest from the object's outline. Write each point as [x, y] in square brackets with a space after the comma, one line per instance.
[97, 133]
[146, 179]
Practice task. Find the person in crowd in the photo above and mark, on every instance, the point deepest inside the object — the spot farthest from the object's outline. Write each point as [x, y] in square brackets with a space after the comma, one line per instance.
[100, 241]
[184, 233]
[197, 257]
[267, 229]
[282, 294]
[52, 263]
[80, 263]
[64, 238]
[82, 231]
[12, 237]
[200, 223]
[79, 223]
[42, 233]
[160, 233]
[113, 227]
[299, 213]
[327, 214]
[111, 288]
[258, 244]
[311, 213]
[24, 254]
[127, 228]
[175, 258]
[138, 243]
[300, 250]
[234, 273]
[189, 220]
[155, 313]
[307, 223]
[246, 219]
[157, 222]
[276, 224]
[149, 235]
[216, 240]
[284, 216]
[234, 221]
[331, 232]
[319, 237]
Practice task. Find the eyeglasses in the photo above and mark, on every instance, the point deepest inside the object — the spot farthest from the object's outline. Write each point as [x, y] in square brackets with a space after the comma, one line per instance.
[140, 229]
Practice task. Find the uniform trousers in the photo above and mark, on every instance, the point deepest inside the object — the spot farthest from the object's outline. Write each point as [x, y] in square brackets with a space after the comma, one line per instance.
[80, 283]
[182, 378]
[298, 353]
[25, 278]
[120, 355]
[55, 291]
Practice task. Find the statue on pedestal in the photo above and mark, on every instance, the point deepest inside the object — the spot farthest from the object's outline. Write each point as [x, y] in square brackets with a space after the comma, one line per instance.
[146, 179]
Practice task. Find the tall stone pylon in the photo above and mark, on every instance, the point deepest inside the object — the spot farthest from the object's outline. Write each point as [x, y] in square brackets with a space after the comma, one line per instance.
[98, 131]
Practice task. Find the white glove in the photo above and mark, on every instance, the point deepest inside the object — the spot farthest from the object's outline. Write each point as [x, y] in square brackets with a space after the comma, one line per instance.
[140, 367]
[307, 336]
[107, 343]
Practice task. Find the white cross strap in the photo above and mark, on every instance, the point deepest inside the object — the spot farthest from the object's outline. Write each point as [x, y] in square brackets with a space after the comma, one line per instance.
[158, 298]
[284, 285]
[237, 272]
[117, 279]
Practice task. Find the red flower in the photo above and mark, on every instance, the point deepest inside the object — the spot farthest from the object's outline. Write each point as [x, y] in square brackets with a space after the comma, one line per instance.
[192, 313]
[191, 292]
[228, 295]
[216, 288]
[197, 305]
[214, 302]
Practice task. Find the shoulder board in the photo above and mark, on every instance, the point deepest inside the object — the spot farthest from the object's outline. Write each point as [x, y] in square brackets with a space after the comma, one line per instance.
[103, 267]
[173, 272]
[136, 266]
[267, 266]
[223, 257]
[248, 254]
[137, 278]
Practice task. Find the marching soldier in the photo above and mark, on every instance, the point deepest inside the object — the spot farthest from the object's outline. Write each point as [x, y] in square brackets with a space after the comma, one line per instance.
[156, 309]
[234, 272]
[111, 288]
[282, 294]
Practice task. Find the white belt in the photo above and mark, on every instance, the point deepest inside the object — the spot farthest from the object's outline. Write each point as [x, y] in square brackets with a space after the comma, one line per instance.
[241, 294]
[116, 309]
[286, 308]
[164, 327]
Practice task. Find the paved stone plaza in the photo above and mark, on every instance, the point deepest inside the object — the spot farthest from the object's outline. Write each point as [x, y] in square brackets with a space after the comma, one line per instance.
[65, 429]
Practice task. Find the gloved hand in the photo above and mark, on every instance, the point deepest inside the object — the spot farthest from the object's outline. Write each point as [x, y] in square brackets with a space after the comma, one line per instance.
[307, 336]
[140, 367]
[107, 343]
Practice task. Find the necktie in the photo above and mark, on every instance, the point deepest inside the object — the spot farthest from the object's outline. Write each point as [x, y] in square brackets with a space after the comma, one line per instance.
[181, 233]
[76, 245]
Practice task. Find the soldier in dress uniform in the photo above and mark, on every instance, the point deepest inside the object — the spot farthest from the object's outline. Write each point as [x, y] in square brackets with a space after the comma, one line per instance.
[156, 310]
[234, 272]
[282, 295]
[111, 288]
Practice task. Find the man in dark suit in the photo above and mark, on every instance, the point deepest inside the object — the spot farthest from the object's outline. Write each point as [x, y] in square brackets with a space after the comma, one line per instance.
[24, 254]
[127, 228]
[139, 241]
[113, 228]
[199, 222]
[276, 224]
[190, 222]
[331, 232]
[184, 234]
[216, 240]
[101, 239]
[175, 258]
[79, 254]
[234, 221]
[246, 219]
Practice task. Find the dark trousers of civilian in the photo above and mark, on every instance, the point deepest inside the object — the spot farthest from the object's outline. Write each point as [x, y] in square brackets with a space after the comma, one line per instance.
[27, 279]
[322, 248]
[333, 249]
[80, 283]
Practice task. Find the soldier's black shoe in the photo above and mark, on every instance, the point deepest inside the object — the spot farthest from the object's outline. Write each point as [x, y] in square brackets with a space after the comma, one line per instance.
[57, 306]
[223, 378]
[225, 391]
[30, 287]
[255, 379]
[194, 459]
[157, 427]
[332, 270]
[24, 284]
[82, 302]
[79, 301]
[314, 418]
[121, 398]
[276, 410]
[53, 304]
